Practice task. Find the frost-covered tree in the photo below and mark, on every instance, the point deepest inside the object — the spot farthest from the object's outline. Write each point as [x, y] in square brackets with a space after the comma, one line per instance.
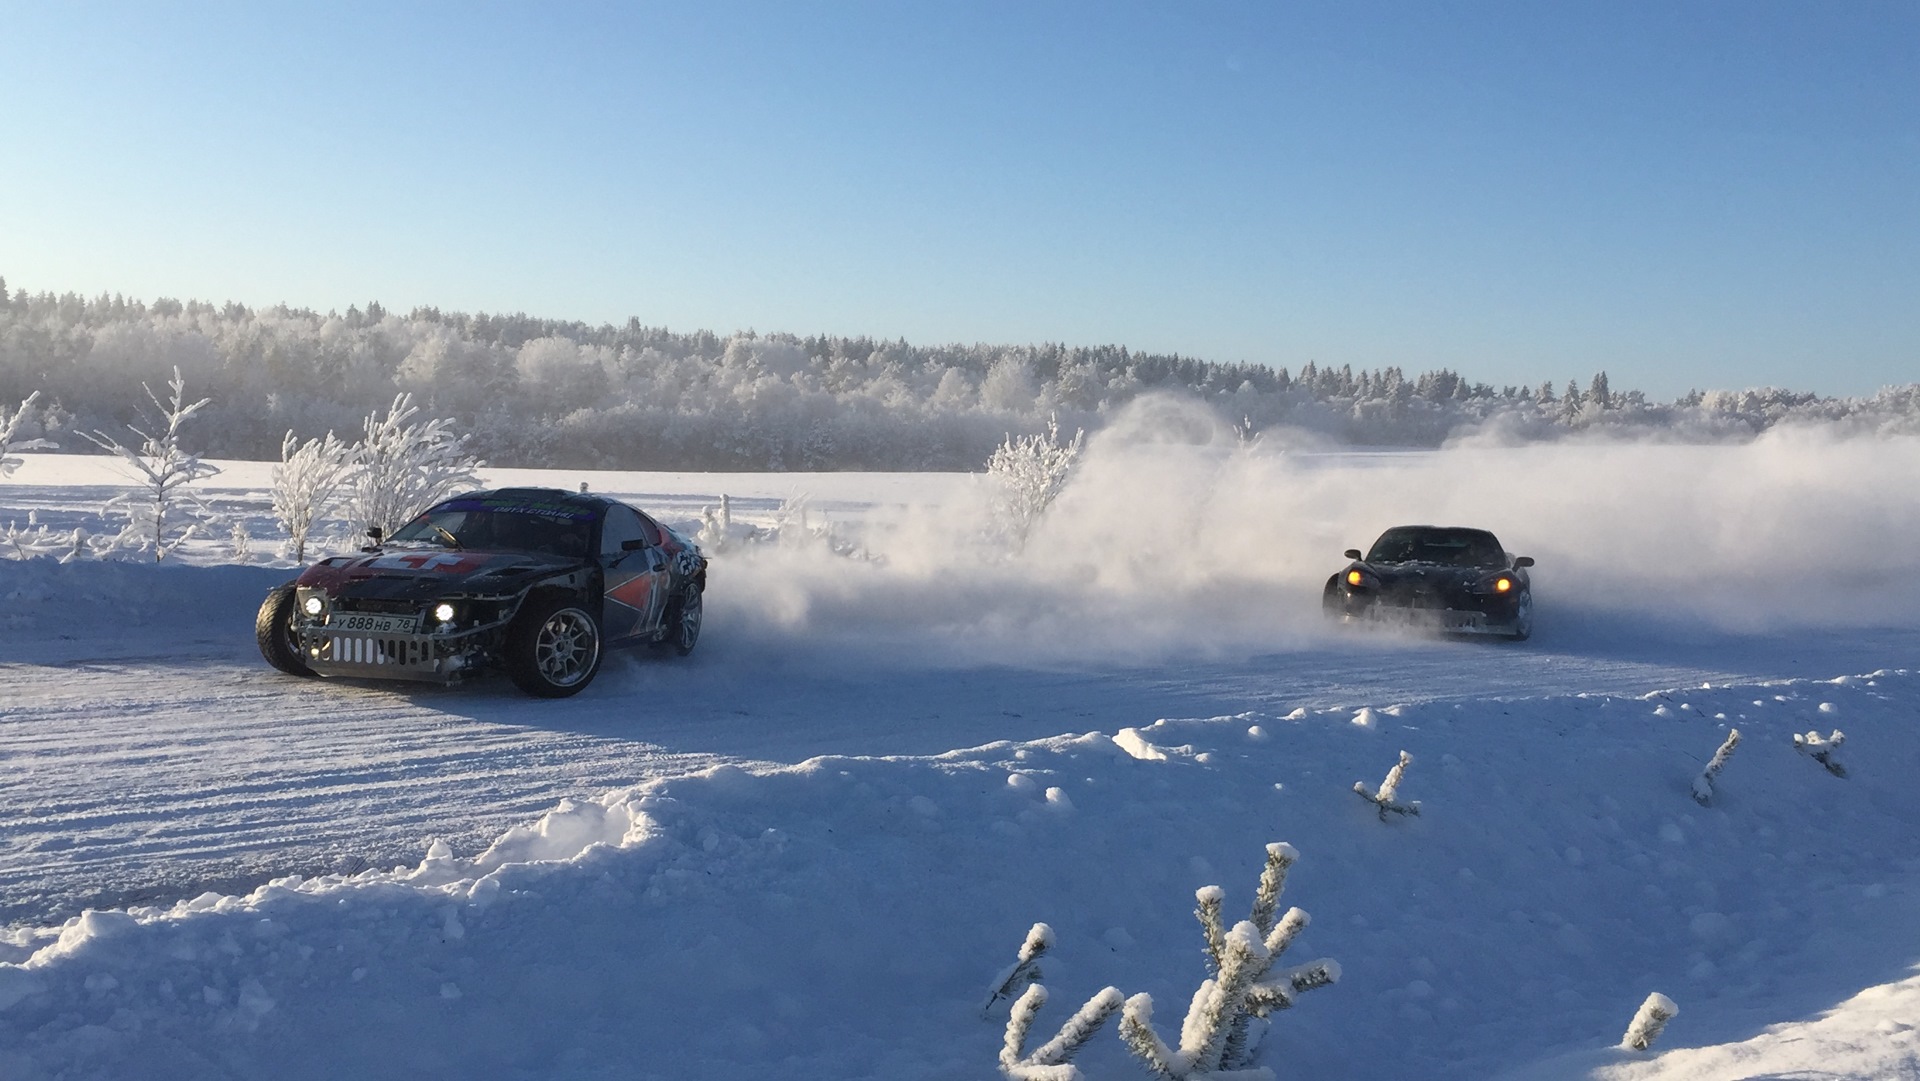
[1030, 471]
[164, 467]
[1703, 784]
[9, 432]
[402, 468]
[1387, 799]
[1216, 1040]
[307, 485]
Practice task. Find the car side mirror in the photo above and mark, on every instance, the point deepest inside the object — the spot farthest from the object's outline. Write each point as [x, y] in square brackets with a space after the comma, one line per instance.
[634, 545]
[1352, 553]
[1523, 561]
[376, 533]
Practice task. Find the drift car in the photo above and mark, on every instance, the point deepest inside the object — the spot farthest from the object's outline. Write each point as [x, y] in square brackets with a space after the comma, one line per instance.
[536, 581]
[1456, 580]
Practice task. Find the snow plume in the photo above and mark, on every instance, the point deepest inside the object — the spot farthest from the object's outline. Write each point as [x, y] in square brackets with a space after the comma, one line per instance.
[1175, 538]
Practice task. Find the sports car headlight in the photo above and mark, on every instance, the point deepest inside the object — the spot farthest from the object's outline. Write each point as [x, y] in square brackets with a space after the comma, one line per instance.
[315, 605]
[1502, 584]
[1355, 578]
[443, 612]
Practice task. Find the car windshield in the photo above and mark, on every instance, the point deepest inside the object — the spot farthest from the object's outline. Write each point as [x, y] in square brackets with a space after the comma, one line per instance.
[1447, 547]
[470, 524]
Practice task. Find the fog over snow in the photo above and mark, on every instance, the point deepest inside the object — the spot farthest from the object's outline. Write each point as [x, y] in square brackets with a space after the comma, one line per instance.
[806, 850]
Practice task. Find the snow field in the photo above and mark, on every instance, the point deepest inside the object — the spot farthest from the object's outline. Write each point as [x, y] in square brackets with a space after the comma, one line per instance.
[843, 917]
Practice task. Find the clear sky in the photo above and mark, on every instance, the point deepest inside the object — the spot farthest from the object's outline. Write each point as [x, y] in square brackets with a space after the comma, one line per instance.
[1719, 194]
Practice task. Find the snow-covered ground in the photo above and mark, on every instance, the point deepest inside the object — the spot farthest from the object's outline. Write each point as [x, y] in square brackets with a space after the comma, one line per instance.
[806, 850]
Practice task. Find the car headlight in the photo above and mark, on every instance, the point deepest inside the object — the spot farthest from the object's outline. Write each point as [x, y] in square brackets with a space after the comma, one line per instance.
[443, 612]
[1502, 584]
[314, 605]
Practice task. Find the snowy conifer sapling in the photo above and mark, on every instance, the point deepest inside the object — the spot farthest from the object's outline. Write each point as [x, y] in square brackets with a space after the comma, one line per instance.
[1823, 750]
[1216, 1041]
[164, 469]
[1649, 1021]
[1025, 970]
[1387, 798]
[1703, 784]
[10, 429]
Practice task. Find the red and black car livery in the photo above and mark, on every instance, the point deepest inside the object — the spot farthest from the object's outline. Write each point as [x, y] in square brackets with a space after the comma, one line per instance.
[536, 581]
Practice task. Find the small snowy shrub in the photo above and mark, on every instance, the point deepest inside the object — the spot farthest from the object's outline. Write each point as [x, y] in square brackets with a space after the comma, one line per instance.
[401, 469]
[164, 468]
[1649, 1021]
[10, 429]
[1216, 1040]
[1217, 1033]
[1385, 799]
[306, 485]
[1823, 750]
[1703, 784]
[1030, 471]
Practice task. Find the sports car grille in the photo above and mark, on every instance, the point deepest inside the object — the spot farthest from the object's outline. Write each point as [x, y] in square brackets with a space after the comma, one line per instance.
[374, 650]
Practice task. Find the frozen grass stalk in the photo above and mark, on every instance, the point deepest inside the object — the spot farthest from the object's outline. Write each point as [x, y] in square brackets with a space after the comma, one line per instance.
[1647, 1024]
[1703, 784]
[1387, 798]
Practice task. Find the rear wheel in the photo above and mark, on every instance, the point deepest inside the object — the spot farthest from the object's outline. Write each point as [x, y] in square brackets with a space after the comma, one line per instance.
[553, 648]
[684, 617]
[273, 630]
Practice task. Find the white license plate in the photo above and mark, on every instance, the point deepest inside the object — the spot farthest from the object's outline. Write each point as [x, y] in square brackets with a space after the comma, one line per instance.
[372, 623]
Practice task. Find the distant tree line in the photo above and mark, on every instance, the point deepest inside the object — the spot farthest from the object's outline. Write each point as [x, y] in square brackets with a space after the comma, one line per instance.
[544, 392]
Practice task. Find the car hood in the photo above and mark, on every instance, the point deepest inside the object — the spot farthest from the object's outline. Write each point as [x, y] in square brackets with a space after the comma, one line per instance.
[1428, 576]
[420, 574]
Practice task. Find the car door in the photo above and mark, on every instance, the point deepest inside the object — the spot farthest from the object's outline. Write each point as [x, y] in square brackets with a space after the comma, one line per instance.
[636, 573]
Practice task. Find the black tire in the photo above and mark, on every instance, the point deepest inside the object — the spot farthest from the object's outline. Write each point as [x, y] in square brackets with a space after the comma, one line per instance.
[1522, 618]
[273, 630]
[1330, 603]
[553, 648]
[684, 617]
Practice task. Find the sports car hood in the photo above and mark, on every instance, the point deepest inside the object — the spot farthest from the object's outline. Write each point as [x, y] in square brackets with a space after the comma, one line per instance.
[1428, 576]
[421, 574]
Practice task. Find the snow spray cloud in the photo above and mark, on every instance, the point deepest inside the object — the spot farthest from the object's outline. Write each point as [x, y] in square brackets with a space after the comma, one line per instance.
[1175, 539]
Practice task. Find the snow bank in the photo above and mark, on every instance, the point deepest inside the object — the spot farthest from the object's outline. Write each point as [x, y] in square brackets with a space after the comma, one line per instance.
[841, 918]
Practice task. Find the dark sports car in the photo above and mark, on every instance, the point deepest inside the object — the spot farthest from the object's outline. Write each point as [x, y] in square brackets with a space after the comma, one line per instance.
[536, 581]
[1456, 580]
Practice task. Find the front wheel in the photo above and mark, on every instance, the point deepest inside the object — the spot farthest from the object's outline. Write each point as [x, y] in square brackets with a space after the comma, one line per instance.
[1522, 618]
[553, 648]
[273, 630]
[684, 619]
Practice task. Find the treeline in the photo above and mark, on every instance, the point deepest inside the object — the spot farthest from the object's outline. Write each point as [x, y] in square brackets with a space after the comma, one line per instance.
[543, 392]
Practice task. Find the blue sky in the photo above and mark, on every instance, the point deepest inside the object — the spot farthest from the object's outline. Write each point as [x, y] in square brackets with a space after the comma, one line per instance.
[1706, 194]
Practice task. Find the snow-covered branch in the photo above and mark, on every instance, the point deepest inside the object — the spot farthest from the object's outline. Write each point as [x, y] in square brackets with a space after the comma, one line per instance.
[1387, 799]
[1703, 784]
[10, 430]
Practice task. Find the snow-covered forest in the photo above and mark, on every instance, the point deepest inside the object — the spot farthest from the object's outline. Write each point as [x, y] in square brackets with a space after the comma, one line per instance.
[543, 392]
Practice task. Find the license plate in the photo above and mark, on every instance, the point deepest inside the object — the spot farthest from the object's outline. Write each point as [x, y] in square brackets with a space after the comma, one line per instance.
[372, 622]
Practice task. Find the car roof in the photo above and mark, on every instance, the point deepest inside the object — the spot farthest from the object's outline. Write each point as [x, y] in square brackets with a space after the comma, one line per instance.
[583, 500]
